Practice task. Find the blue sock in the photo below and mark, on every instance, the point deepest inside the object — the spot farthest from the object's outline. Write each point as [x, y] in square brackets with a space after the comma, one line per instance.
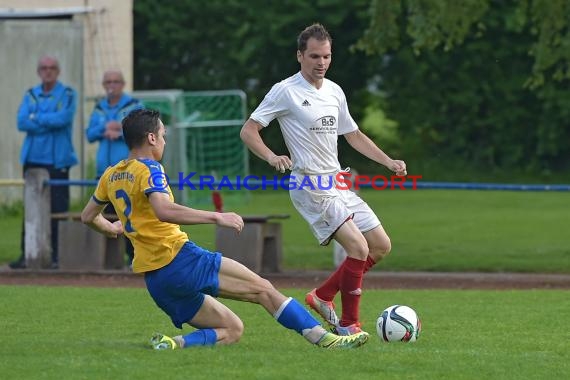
[294, 316]
[204, 337]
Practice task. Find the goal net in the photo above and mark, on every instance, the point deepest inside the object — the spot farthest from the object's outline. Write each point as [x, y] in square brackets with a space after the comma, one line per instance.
[202, 140]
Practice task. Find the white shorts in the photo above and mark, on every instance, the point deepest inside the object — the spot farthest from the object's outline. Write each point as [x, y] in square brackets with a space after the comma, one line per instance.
[326, 208]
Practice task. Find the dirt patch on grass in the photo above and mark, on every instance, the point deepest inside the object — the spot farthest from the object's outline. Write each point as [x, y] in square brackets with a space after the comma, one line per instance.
[307, 279]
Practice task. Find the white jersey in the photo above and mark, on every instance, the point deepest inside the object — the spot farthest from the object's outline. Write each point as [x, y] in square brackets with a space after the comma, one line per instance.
[311, 120]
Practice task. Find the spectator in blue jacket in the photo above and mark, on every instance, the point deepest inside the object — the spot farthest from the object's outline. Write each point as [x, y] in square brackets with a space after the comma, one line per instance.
[105, 122]
[105, 127]
[46, 116]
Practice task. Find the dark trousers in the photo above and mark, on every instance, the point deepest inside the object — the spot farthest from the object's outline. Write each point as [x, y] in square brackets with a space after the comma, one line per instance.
[59, 199]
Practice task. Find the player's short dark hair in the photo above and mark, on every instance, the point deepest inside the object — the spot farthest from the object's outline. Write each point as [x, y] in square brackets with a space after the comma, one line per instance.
[138, 124]
[316, 31]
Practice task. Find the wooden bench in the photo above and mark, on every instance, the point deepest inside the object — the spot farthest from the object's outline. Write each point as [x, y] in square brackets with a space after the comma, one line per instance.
[258, 246]
[80, 248]
[84, 249]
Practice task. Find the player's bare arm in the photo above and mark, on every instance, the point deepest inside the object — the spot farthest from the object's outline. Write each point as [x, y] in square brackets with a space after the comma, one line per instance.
[91, 216]
[362, 143]
[252, 138]
[170, 212]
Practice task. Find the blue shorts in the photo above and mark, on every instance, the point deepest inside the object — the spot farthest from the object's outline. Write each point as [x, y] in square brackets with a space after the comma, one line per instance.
[179, 287]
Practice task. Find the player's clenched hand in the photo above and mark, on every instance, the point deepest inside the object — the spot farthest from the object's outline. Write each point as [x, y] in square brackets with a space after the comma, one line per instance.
[116, 228]
[231, 220]
[280, 163]
[399, 167]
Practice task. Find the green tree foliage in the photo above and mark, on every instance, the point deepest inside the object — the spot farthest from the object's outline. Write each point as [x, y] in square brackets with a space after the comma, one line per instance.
[430, 24]
[476, 83]
[222, 44]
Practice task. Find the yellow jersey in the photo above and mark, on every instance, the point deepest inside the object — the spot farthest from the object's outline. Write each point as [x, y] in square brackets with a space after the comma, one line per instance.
[127, 186]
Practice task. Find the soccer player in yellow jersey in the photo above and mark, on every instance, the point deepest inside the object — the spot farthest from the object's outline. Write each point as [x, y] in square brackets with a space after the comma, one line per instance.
[183, 278]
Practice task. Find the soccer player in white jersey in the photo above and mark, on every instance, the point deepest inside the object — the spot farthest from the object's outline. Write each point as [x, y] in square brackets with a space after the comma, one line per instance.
[312, 112]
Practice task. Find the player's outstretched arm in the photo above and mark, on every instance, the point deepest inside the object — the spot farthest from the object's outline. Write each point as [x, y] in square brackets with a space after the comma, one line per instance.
[362, 143]
[170, 212]
[252, 139]
[91, 216]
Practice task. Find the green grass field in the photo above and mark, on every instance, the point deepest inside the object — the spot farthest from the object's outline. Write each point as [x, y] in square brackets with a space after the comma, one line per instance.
[431, 230]
[88, 333]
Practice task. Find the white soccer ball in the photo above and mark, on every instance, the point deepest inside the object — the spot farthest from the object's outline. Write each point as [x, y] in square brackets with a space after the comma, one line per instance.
[398, 323]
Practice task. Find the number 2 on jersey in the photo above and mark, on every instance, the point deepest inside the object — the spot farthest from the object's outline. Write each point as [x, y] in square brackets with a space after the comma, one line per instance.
[127, 211]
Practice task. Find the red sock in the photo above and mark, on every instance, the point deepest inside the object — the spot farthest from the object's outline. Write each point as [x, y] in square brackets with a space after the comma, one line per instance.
[350, 290]
[328, 290]
[369, 263]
